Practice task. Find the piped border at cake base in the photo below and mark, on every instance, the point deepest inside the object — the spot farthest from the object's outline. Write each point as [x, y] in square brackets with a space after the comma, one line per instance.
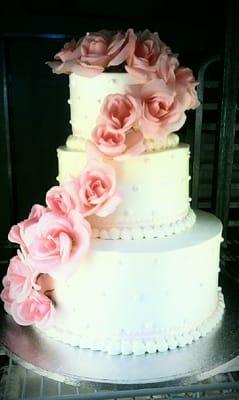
[140, 345]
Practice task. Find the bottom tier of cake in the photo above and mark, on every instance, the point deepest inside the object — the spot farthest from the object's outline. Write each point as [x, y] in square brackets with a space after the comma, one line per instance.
[137, 296]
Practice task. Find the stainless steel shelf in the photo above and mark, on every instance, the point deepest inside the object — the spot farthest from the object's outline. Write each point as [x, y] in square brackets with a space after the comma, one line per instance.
[19, 383]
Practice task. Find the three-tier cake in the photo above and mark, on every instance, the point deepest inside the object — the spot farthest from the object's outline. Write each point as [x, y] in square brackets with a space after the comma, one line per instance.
[117, 260]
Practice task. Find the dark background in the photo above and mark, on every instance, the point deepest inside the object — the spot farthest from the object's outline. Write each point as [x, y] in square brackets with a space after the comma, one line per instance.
[34, 114]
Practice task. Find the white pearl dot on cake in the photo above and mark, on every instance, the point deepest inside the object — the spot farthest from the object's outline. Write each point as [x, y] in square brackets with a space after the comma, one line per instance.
[69, 101]
[148, 325]
[70, 122]
[189, 178]
[135, 188]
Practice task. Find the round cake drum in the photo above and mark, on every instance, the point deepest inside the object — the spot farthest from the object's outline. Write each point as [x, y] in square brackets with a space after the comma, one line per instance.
[206, 357]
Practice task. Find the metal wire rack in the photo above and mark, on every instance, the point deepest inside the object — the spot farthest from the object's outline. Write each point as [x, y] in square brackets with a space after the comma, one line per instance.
[17, 382]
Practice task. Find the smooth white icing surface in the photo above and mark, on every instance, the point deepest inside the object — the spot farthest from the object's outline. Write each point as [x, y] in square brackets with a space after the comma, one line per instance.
[154, 186]
[145, 295]
[87, 96]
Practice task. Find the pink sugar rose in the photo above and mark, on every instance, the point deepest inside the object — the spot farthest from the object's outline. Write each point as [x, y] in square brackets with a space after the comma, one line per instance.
[59, 200]
[162, 112]
[119, 113]
[121, 47]
[116, 145]
[21, 233]
[145, 60]
[95, 190]
[36, 309]
[58, 242]
[19, 280]
[186, 88]
[93, 53]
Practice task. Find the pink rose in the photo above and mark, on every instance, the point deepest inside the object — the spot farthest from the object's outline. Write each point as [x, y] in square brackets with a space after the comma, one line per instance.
[19, 280]
[93, 53]
[95, 190]
[37, 308]
[21, 233]
[145, 60]
[119, 113]
[162, 112]
[118, 145]
[186, 88]
[59, 200]
[121, 47]
[58, 242]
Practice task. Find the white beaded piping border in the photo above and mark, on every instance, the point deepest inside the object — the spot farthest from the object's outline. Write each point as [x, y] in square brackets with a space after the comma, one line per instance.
[77, 142]
[147, 232]
[139, 346]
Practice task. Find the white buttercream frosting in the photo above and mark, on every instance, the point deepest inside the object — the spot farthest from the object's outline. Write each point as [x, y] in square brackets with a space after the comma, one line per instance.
[109, 302]
[154, 187]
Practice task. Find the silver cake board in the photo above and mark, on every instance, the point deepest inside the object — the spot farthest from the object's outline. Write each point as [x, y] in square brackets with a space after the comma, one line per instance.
[213, 354]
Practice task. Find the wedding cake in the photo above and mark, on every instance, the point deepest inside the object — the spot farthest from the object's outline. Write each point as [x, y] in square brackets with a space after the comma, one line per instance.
[117, 260]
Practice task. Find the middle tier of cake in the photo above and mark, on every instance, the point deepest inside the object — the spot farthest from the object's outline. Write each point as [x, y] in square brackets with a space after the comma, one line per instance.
[155, 193]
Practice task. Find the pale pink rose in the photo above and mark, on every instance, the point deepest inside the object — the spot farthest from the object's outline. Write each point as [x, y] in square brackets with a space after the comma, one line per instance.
[119, 113]
[95, 189]
[36, 309]
[59, 242]
[121, 47]
[166, 68]
[145, 60]
[162, 112]
[186, 88]
[93, 53]
[20, 279]
[21, 233]
[118, 145]
[59, 200]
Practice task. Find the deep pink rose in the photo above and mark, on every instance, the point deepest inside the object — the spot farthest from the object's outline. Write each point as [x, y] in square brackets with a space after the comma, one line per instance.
[162, 112]
[37, 308]
[21, 233]
[58, 242]
[118, 145]
[95, 190]
[59, 200]
[20, 279]
[119, 113]
[186, 88]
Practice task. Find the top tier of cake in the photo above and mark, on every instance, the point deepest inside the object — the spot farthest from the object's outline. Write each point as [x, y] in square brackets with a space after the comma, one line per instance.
[86, 98]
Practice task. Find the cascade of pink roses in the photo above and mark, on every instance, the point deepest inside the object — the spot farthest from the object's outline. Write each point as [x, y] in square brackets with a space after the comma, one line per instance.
[53, 240]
